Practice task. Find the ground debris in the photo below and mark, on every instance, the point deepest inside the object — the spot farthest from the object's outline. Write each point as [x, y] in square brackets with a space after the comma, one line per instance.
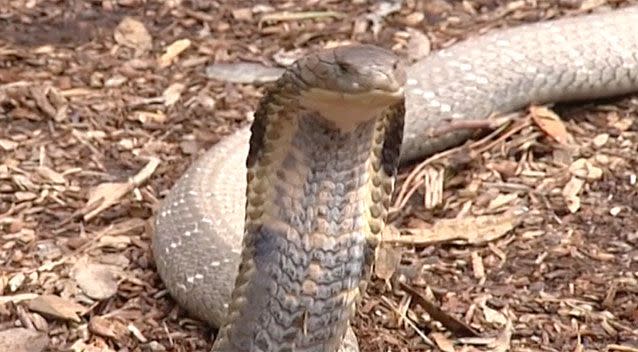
[23, 340]
[97, 281]
[57, 307]
[133, 34]
[243, 72]
[473, 230]
[107, 194]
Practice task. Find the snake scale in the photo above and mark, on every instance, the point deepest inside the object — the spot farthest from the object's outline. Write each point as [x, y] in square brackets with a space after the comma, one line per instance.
[199, 227]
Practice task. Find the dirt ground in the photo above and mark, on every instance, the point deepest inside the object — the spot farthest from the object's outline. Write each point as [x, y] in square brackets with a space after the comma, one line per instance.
[100, 114]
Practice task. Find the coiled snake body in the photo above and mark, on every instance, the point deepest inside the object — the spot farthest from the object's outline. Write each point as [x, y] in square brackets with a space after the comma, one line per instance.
[324, 148]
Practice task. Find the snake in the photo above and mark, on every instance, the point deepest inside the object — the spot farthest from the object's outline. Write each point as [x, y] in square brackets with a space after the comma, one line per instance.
[268, 236]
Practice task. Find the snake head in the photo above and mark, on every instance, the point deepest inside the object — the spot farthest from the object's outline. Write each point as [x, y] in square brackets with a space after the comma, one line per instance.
[348, 85]
[352, 69]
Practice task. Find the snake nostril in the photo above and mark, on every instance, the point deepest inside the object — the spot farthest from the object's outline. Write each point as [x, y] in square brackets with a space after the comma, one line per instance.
[343, 67]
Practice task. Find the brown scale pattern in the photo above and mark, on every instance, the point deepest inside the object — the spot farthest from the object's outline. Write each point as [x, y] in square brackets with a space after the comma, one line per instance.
[309, 222]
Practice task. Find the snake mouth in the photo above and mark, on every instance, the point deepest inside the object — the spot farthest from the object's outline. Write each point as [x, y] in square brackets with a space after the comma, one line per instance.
[348, 110]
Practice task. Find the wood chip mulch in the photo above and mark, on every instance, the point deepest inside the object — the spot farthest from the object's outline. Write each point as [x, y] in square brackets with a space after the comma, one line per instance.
[524, 239]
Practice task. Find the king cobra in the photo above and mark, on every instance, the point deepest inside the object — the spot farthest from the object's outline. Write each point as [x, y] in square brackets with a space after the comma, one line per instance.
[268, 236]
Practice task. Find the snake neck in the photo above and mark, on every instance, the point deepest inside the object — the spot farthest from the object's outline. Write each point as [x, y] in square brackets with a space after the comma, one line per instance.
[316, 195]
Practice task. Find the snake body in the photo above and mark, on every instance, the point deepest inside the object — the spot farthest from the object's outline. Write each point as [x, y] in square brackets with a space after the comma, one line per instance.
[198, 238]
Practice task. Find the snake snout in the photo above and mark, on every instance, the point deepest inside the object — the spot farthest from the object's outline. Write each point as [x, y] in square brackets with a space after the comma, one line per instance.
[369, 68]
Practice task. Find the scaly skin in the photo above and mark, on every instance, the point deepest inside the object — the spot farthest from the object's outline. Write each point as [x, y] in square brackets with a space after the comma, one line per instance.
[324, 151]
[198, 243]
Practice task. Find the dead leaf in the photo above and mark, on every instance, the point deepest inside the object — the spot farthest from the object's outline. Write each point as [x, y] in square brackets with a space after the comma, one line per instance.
[172, 94]
[243, 72]
[126, 227]
[23, 340]
[16, 281]
[103, 196]
[39, 94]
[433, 180]
[24, 182]
[120, 242]
[477, 265]
[133, 34]
[286, 16]
[172, 52]
[18, 298]
[573, 187]
[591, 4]
[51, 175]
[419, 45]
[107, 194]
[146, 172]
[62, 113]
[445, 344]
[146, 117]
[493, 316]
[594, 173]
[8, 145]
[25, 196]
[56, 307]
[189, 147]
[414, 18]
[48, 266]
[507, 168]
[94, 345]
[621, 348]
[550, 123]
[571, 191]
[115, 81]
[450, 322]
[615, 211]
[137, 333]
[243, 14]
[286, 58]
[387, 255]
[107, 328]
[623, 124]
[573, 204]
[585, 169]
[503, 341]
[97, 281]
[473, 230]
[600, 140]
[501, 200]
[378, 15]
